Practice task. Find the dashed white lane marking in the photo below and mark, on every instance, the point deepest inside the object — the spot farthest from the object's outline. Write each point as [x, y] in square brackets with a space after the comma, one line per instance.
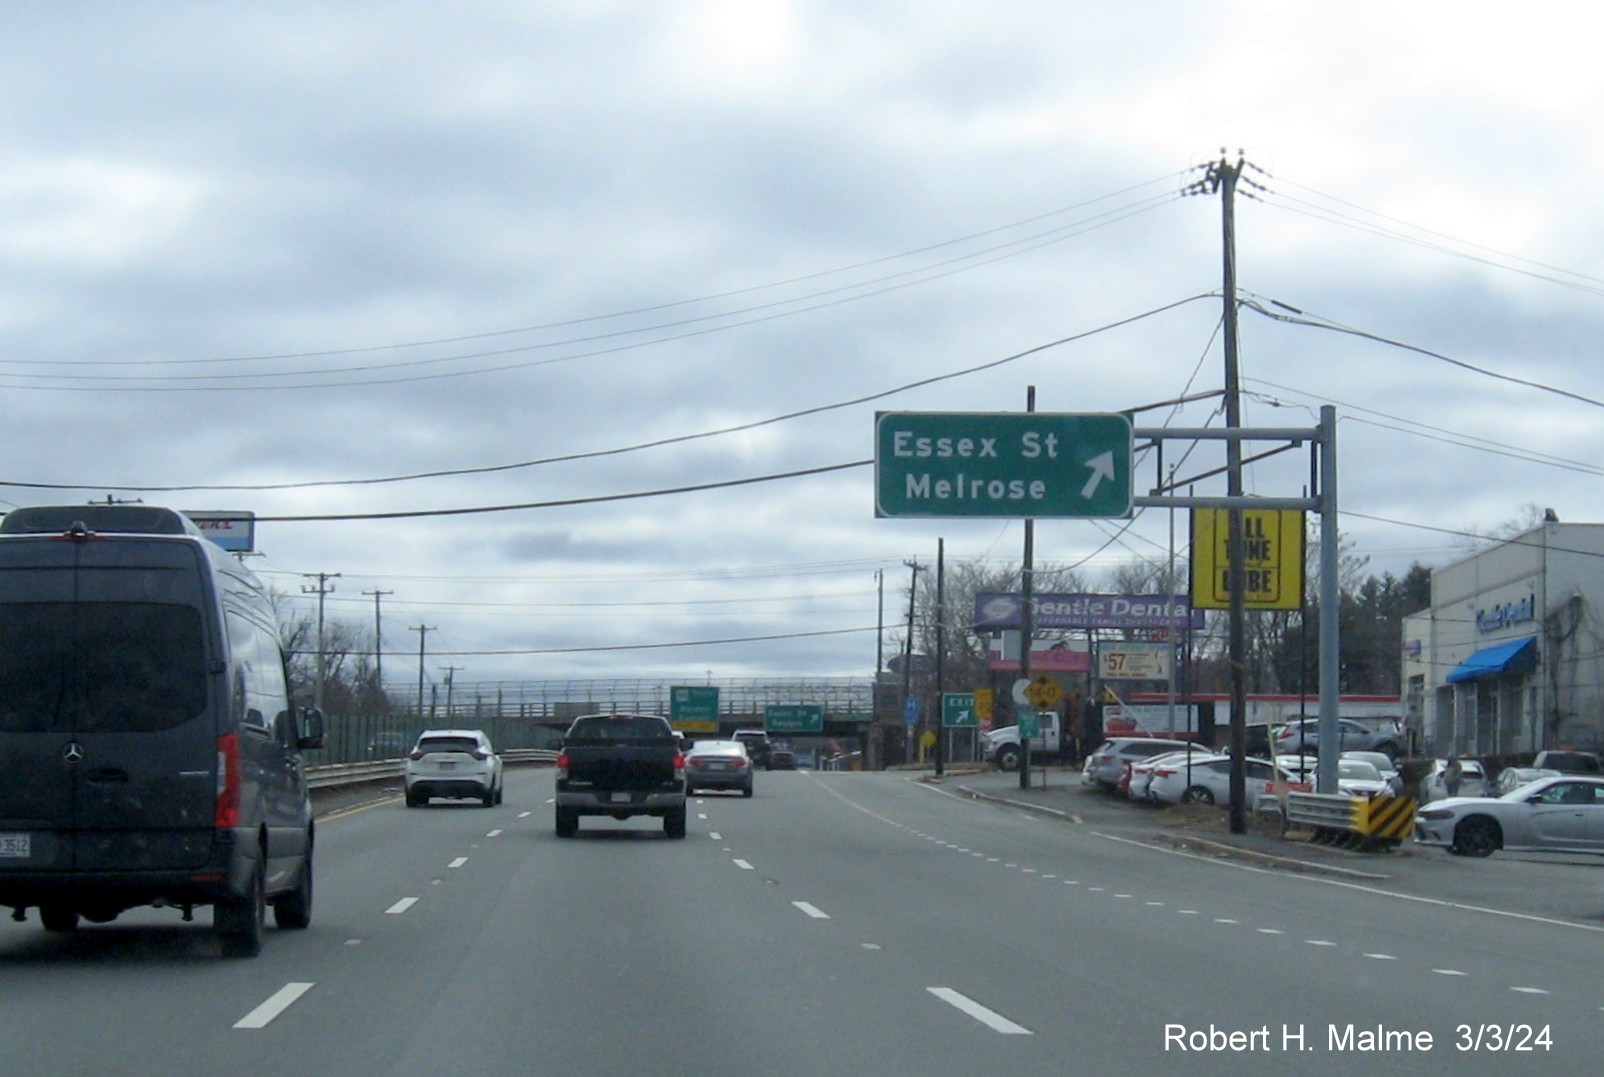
[527, 814]
[1319, 942]
[496, 833]
[1381, 957]
[1452, 972]
[401, 906]
[277, 1003]
[714, 836]
[993, 1020]
[1529, 990]
[743, 865]
[811, 910]
[458, 862]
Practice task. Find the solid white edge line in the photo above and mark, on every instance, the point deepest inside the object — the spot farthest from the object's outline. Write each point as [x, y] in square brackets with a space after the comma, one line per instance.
[993, 1020]
[277, 1003]
[812, 910]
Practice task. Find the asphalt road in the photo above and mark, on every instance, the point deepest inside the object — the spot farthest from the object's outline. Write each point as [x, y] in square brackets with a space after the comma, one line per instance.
[835, 923]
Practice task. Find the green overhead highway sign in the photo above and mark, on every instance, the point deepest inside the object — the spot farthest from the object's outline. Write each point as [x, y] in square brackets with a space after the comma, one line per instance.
[1011, 464]
[793, 718]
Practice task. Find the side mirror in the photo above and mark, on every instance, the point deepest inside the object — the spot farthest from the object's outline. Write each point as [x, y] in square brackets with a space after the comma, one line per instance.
[311, 729]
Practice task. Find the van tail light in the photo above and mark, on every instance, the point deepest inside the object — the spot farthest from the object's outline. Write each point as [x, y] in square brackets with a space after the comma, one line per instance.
[226, 814]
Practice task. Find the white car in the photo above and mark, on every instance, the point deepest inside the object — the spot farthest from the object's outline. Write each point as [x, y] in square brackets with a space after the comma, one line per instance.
[1357, 778]
[1559, 814]
[1385, 765]
[1208, 780]
[1473, 780]
[1141, 770]
[453, 763]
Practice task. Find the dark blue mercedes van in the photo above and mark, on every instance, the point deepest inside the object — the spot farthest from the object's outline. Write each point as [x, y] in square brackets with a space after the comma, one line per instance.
[150, 754]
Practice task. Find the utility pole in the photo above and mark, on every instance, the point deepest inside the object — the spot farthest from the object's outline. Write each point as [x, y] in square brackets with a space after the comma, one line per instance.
[323, 589]
[941, 647]
[1027, 625]
[423, 634]
[450, 671]
[907, 658]
[378, 638]
[1223, 177]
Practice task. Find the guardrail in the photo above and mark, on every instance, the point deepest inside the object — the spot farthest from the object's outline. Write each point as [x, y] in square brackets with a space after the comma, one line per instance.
[375, 770]
[1374, 824]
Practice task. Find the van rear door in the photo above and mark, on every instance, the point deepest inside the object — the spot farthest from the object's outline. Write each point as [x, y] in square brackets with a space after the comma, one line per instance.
[108, 741]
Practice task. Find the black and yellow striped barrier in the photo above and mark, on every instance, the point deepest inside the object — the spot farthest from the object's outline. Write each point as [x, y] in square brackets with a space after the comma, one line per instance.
[1373, 824]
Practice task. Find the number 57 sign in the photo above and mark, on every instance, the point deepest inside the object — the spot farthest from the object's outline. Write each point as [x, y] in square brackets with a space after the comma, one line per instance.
[1128, 661]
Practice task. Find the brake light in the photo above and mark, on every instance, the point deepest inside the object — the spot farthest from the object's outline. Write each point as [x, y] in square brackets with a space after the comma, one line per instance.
[562, 764]
[1164, 772]
[679, 761]
[226, 814]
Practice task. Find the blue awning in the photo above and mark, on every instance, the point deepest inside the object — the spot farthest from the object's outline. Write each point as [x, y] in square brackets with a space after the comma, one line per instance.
[1511, 656]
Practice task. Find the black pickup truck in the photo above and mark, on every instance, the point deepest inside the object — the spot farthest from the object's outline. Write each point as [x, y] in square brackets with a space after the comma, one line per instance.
[621, 765]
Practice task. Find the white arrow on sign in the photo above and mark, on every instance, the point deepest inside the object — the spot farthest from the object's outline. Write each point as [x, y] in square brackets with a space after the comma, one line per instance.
[1102, 468]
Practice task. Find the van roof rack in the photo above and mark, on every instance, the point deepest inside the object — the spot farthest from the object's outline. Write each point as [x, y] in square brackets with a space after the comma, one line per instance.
[100, 519]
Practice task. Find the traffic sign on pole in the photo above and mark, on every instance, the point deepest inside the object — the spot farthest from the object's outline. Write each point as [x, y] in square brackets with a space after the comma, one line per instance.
[958, 710]
[1031, 464]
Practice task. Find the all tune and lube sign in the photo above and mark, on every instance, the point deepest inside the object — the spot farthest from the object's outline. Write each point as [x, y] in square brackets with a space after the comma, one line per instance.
[1031, 464]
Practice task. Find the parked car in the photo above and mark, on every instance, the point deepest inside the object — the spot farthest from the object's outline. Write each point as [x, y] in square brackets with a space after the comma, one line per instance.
[1555, 814]
[1567, 761]
[1106, 765]
[718, 764]
[1472, 782]
[1139, 772]
[1208, 780]
[1512, 778]
[1357, 778]
[757, 744]
[453, 763]
[1302, 737]
[1385, 765]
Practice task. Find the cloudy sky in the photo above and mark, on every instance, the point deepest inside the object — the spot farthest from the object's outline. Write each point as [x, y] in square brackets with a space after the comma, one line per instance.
[385, 263]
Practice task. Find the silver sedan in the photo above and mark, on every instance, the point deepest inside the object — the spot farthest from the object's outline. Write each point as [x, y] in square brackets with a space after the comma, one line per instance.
[1561, 814]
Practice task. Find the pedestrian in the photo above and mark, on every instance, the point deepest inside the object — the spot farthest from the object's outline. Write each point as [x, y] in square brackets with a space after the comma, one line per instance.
[1451, 776]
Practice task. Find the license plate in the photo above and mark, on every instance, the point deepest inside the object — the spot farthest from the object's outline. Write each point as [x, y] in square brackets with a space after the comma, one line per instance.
[448, 766]
[16, 846]
[622, 798]
[716, 766]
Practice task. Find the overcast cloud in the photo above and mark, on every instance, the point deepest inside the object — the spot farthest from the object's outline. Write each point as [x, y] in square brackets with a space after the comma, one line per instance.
[270, 254]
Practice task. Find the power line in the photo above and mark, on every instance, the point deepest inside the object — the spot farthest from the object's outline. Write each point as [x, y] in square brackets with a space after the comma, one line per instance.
[658, 443]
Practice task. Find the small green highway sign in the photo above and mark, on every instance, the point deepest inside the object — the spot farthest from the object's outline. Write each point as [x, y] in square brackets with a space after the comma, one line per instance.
[958, 710]
[693, 708]
[793, 718]
[1010, 464]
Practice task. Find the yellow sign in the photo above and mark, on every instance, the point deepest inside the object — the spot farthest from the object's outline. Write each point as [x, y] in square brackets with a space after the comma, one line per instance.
[1044, 692]
[984, 707]
[1272, 559]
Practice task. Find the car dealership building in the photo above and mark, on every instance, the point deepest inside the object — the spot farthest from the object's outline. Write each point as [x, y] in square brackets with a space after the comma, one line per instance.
[1510, 656]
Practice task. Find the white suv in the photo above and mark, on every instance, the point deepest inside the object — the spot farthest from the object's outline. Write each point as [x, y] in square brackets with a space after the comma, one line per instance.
[453, 763]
